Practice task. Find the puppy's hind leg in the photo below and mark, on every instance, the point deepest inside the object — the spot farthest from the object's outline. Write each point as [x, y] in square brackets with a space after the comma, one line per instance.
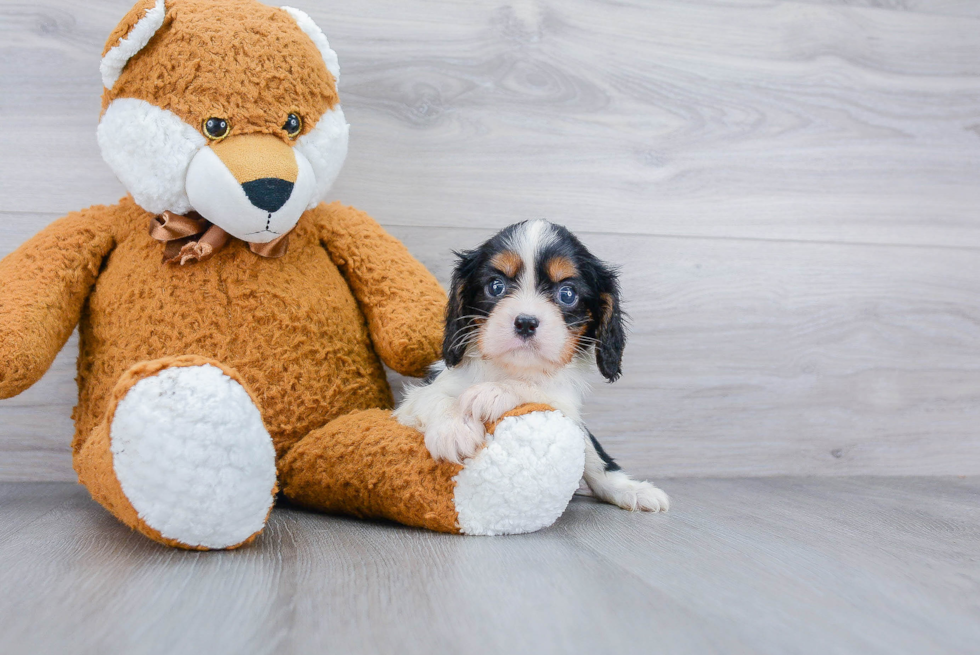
[611, 484]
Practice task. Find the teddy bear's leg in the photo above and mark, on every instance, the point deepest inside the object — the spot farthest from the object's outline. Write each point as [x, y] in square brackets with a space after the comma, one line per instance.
[367, 464]
[182, 455]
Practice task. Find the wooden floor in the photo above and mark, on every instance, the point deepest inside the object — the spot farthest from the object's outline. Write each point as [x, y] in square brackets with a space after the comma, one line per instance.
[779, 565]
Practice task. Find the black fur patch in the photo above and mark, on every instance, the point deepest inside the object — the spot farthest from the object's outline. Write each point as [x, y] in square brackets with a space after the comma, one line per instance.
[610, 463]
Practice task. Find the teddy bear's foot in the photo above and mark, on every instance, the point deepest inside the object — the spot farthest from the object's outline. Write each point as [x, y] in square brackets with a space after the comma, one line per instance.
[367, 464]
[183, 456]
[524, 477]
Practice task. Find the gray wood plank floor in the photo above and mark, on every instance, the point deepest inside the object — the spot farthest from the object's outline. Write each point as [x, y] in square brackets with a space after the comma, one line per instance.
[779, 565]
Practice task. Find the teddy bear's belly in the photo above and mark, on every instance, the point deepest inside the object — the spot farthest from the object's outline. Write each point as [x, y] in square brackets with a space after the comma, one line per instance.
[290, 326]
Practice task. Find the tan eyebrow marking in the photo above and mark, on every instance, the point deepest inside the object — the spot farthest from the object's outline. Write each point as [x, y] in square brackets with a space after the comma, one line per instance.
[561, 268]
[508, 262]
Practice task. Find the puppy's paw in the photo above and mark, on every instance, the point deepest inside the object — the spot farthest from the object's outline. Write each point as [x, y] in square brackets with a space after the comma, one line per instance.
[453, 440]
[647, 498]
[486, 402]
[619, 489]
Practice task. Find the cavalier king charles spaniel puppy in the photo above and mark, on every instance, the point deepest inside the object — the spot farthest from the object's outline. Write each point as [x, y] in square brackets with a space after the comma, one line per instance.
[528, 311]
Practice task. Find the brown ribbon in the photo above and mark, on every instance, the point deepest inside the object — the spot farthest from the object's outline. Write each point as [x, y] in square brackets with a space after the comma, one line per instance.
[192, 238]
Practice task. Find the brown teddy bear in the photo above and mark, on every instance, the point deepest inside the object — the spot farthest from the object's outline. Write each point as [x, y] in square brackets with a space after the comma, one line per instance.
[233, 327]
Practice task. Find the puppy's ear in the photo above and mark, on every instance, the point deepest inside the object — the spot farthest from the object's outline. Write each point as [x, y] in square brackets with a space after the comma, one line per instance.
[457, 321]
[610, 330]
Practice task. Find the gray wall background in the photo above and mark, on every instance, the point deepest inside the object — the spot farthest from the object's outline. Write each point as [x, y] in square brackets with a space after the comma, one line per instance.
[792, 190]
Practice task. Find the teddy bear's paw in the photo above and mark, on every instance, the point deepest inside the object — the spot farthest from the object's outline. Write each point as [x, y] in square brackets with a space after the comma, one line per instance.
[525, 476]
[193, 457]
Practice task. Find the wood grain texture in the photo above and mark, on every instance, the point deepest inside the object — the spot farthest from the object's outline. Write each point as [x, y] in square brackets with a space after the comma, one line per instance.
[820, 121]
[790, 188]
[779, 565]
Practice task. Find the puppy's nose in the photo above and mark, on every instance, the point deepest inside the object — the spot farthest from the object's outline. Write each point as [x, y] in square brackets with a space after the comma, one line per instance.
[525, 326]
[268, 193]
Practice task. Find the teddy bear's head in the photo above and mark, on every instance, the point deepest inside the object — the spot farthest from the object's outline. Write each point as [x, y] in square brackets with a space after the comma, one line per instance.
[224, 107]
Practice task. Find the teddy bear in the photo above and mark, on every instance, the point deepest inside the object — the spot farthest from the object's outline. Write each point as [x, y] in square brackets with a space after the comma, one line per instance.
[233, 325]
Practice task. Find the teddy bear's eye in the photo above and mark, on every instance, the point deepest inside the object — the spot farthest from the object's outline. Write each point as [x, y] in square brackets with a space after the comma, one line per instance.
[216, 128]
[293, 125]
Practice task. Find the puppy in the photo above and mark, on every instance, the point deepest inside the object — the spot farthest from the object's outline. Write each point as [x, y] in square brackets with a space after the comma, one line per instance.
[527, 312]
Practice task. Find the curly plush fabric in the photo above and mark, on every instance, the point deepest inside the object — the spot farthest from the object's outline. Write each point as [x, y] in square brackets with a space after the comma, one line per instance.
[98, 466]
[368, 465]
[293, 327]
[253, 76]
[524, 477]
[43, 287]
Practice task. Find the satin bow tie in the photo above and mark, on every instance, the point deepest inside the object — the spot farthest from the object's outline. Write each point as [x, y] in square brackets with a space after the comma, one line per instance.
[192, 238]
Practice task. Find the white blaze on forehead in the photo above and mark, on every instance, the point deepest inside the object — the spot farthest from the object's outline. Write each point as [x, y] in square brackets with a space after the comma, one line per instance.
[319, 40]
[115, 60]
[528, 241]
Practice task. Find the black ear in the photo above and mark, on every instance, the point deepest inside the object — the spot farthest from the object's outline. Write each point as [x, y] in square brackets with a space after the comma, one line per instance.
[458, 320]
[610, 332]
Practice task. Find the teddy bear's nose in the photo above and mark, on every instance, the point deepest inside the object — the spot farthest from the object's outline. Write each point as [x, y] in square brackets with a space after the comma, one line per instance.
[268, 193]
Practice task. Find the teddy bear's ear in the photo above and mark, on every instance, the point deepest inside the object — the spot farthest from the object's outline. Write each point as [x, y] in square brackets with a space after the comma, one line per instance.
[319, 39]
[130, 36]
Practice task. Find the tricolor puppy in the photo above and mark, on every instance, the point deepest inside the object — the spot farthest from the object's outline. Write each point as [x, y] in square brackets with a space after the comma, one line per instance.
[528, 311]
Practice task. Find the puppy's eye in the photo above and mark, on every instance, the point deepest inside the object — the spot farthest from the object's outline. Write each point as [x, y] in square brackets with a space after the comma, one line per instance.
[496, 288]
[293, 125]
[216, 128]
[567, 296]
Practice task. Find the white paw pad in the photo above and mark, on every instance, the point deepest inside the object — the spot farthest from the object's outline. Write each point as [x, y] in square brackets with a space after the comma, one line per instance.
[523, 479]
[193, 456]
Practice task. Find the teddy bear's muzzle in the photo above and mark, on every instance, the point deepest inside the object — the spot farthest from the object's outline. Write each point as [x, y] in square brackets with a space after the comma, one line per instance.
[253, 186]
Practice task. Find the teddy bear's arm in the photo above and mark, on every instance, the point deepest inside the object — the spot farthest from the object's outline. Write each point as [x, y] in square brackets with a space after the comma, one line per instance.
[403, 302]
[43, 285]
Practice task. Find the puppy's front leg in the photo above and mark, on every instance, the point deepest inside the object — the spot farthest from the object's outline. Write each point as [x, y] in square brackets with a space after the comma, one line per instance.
[435, 413]
[611, 484]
